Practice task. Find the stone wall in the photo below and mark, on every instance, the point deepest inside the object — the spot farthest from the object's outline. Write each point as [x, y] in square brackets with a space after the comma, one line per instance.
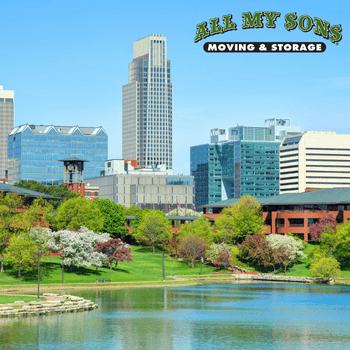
[35, 308]
[274, 278]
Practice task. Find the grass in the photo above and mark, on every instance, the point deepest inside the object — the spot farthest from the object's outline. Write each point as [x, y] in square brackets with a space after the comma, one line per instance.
[5, 299]
[145, 267]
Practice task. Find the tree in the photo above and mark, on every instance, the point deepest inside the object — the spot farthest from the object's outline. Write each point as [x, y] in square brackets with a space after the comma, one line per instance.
[133, 210]
[114, 217]
[256, 250]
[336, 244]
[184, 212]
[192, 247]
[60, 191]
[77, 212]
[220, 255]
[154, 228]
[325, 268]
[115, 250]
[16, 218]
[224, 228]
[200, 227]
[77, 247]
[246, 217]
[23, 251]
[291, 248]
[317, 228]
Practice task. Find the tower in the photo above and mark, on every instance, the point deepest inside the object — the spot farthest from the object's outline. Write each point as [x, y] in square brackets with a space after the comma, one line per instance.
[6, 125]
[147, 105]
[74, 168]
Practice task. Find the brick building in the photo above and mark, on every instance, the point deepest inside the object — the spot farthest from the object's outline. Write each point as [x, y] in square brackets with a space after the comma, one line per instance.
[295, 212]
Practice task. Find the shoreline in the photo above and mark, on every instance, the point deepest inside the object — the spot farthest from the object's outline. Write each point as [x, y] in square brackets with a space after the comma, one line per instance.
[178, 281]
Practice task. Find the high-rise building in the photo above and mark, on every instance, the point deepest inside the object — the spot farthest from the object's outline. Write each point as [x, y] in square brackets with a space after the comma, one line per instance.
[35, 151]
[148, 105]
[6, 125]
[239, 161]
[313, 160]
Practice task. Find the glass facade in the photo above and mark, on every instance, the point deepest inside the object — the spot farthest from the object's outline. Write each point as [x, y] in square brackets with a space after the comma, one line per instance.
[34, 152]
[234, 169]
[147, 105]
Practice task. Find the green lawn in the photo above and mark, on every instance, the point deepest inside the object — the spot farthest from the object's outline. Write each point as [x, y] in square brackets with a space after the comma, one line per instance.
[145, 267]
[4, 299]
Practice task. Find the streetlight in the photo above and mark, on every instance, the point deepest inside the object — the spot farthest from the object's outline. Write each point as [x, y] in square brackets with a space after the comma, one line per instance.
[39, 253]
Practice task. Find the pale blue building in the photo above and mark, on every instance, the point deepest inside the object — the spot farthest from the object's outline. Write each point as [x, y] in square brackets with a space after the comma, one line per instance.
[34, 151]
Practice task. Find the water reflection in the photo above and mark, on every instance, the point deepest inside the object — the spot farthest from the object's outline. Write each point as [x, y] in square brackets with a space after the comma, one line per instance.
[230, 316]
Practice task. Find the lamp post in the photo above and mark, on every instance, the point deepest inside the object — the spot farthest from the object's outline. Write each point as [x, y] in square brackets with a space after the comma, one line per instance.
[39, 253]
[62, 268]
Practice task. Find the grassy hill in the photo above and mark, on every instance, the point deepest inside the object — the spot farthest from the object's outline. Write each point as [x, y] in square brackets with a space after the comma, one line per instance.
[145, 267]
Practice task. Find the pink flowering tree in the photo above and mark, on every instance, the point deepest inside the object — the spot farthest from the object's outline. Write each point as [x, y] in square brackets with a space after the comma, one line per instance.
[115, 250]
[318, 228]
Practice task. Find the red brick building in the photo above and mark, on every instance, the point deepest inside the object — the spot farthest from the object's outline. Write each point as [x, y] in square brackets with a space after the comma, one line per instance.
[295, 212]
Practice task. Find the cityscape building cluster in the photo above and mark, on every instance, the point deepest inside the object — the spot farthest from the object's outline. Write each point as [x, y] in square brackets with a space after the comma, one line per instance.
[261, 161]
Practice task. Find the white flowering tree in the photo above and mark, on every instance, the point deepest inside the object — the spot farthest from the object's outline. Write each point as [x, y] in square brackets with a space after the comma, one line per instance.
[184, 212]
[77, 247]
[220, 255]
[289, 249]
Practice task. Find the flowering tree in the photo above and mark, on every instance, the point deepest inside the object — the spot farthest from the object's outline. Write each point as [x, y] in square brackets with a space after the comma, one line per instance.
[184, 212]
[317, 229]
[220, 255]
[115, 250]
[289, 248]
[255, 249]
[77, 247]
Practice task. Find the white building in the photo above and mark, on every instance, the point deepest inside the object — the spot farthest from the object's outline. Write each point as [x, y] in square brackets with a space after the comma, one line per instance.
[314, 160]
[148, 106]
[7, 115]
[152, 188]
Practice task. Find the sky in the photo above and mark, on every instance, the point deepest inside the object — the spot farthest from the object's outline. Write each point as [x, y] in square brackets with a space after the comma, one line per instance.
[68, 60]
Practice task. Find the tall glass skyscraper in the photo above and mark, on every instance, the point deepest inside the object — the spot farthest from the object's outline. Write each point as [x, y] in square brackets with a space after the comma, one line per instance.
[239, 161]
[148, 105]
[35, 151]
[7, 112]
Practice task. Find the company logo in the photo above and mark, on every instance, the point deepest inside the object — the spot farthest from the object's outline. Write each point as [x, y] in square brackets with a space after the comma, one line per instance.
[305, 23]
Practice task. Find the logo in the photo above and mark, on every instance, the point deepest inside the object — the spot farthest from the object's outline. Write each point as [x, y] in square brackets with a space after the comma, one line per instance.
[304, 23]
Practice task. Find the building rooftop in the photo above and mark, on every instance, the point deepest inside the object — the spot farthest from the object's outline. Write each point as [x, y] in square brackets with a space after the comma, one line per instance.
[24, 192]
[60, 130]
[323, 196]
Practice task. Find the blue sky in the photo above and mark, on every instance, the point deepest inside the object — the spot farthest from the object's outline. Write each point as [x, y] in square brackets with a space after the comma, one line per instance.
[67, 62]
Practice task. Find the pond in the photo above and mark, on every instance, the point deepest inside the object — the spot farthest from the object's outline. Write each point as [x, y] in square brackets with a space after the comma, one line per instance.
[208, 316]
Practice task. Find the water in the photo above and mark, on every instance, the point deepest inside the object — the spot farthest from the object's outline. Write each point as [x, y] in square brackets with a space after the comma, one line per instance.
[216, 316]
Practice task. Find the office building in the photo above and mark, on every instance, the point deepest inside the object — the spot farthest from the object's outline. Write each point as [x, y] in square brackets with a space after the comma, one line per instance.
[313, 160]
[154, 188]
[295, 212]
[147, 105]
[35, 151]
[7, 116]
[239, 161]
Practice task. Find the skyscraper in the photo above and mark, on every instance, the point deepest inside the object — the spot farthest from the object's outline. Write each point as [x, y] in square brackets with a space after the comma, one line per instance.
[6, 125]
[148, 105]
[239, 161]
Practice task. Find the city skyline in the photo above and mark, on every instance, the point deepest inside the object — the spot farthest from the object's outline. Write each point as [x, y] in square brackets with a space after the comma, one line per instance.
[75, 66]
